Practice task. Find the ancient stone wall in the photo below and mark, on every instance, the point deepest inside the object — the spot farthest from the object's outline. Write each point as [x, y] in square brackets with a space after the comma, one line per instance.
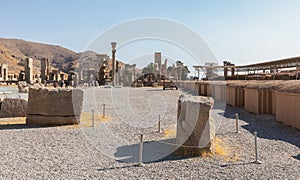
[195, 126]
[235, 96]
[219, 91]
[54, 106]
[287, 108]
[252, 100]
[11, 107]
[260, 97]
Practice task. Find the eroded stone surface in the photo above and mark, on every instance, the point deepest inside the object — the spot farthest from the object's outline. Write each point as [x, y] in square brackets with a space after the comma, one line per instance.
[12, 107]
[195, 127]
[54, 106]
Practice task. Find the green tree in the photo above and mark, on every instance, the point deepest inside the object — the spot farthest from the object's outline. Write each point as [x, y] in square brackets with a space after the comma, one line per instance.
[148, 69]
[185, 70]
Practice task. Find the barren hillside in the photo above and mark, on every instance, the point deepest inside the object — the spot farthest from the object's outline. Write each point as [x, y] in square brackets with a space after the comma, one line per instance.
[18, 50]
[7, 57]
[14, 51]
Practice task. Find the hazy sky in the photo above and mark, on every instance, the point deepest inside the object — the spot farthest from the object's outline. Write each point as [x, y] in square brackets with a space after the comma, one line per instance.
[240, 31]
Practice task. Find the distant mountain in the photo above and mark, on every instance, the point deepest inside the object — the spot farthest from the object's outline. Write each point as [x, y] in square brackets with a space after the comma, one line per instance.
[8, 57]
[20, 49]
[14, 52]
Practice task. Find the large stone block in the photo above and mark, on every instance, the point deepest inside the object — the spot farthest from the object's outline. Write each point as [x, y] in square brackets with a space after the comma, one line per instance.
[287, 108]
[198, 87]
[209, 89]
[231, 95]
[252, 100]
[235, 96]
[195, 126]
[219, 91]
[203, 89]
[259, 101]
[54, 106]
[11, 107]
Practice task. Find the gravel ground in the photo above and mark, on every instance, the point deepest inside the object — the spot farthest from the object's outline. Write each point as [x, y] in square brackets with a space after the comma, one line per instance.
[109, 150]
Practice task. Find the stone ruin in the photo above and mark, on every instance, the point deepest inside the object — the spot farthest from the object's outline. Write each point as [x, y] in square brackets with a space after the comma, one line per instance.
[3, 72]
[54, 106]
[195, 126]
[23, 87]
[11, 107]
[29, 70]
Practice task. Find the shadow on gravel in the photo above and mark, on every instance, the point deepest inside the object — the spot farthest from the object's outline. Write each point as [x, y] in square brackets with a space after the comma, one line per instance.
[236, 164]
[153, 151]
[113, 168]
[265, 125]
[20, 126]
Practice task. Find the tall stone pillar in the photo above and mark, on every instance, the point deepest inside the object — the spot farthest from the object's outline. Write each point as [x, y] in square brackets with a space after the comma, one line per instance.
[157, 60]
[44, 69]
[29, 70]
[4, 71]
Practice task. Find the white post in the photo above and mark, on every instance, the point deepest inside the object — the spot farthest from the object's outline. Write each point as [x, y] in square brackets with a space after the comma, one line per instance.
[256, 149]
[141, 152]
[93, 118]
[159, 129]
[237, 123]
[103, 110]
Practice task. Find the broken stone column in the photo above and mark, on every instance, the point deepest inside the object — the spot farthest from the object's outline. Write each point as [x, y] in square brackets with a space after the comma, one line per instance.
[54, 106]
[195, 126]
[44, 69]
[29, 70]
[12, 107]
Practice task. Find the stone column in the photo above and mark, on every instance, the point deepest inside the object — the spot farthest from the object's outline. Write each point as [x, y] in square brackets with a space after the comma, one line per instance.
[4, 69]
[29, 70]
[44, 69]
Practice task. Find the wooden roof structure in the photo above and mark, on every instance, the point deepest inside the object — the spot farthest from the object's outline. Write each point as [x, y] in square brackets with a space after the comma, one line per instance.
[277, 64]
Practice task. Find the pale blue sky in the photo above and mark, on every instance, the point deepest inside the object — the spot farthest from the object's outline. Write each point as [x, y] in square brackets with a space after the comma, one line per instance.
[241, 31]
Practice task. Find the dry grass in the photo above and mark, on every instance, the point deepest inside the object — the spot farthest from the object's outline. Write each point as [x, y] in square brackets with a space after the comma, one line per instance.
[206, 153]
[222, 149]
[169, 133]
[13, 121]
[86, 120]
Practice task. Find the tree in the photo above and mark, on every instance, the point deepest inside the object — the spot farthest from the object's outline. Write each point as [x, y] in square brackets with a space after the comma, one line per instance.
[148, 69]
[185, 70]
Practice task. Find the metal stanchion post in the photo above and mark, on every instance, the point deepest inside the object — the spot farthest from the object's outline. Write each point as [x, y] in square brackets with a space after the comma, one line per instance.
[141, 153]
[93, 118]
[256, 149]
[103, 110]
[237, 123]
[159, 128]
